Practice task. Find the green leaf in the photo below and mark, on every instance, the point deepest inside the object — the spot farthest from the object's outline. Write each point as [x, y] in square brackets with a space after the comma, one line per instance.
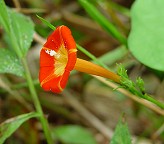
[71, 134]
[121, 134]
[4, 16]
[106, 24]
[23, 30]
[9, 63]
[11, 125]
[46, 22]
[146, 37]
[19, 27]
[140, 84]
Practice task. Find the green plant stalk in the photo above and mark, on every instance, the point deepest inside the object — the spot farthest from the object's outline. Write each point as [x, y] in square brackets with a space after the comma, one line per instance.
[37, 104]
[148, 98]
[91, 56]
[154, 101]
[98, 17]
[15, 44]
[133, 87]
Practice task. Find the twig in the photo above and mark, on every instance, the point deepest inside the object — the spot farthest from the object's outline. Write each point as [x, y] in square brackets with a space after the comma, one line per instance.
[30, 10]
[39, 39]
[134, 97]
[92, 119]
[26, 10]
[158, 132]
[5, 84]
[17, 4]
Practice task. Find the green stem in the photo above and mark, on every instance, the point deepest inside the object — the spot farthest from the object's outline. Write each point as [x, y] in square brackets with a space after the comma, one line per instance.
[91, 56]
[149, 98]
[37, 104]
[161, 105]
[101, 20]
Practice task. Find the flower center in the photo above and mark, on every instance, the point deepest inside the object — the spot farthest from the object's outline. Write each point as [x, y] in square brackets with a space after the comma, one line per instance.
[60, 59]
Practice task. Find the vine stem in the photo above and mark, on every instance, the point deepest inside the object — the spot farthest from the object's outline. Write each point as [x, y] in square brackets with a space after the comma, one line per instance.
[127, 93]
[37, 104]
[159, 104]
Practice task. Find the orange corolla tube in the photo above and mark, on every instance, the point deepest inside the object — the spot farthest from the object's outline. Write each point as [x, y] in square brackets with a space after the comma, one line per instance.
[58, 58]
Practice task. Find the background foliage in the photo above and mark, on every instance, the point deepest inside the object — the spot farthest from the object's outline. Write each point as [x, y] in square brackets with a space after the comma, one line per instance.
[88, 111]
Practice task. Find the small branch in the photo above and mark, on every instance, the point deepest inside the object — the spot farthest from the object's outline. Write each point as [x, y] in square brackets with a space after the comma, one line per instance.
[17, 4]
[158, 132]
[30, 10]
[39, 39]
[6, 85]
[134, 97]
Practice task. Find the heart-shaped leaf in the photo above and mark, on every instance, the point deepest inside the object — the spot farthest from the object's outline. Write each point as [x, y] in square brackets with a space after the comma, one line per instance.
[146, 39]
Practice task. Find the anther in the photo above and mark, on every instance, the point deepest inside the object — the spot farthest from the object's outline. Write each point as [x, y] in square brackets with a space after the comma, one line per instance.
[52, 53]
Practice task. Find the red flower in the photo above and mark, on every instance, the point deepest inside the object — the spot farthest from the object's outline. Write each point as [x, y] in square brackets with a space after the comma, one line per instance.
[57, 59]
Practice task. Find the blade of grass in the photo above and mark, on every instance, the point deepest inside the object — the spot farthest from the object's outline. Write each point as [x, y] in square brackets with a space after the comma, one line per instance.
[106, 24]
[46, 22]
[91, 56]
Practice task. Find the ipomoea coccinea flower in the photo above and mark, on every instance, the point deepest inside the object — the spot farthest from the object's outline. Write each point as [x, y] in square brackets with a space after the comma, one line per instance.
[58, 58]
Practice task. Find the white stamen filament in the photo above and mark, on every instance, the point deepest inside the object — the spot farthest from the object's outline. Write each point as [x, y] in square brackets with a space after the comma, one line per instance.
[52, 53]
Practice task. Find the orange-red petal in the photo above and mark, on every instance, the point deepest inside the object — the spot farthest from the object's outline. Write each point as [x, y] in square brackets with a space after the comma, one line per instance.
[50, 79]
